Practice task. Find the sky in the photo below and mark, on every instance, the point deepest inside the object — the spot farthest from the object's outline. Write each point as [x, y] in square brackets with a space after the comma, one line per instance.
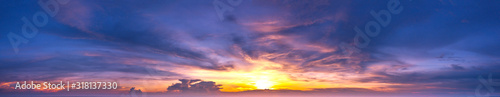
[438, 47]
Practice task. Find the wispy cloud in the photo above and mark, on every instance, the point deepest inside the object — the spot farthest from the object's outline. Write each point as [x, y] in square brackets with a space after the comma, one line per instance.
[431, 47]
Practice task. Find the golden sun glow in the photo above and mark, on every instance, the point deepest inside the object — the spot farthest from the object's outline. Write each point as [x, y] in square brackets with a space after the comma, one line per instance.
[264, 74]
[263, 84]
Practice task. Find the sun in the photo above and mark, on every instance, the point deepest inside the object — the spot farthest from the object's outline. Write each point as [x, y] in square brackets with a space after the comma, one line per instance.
[263, 84]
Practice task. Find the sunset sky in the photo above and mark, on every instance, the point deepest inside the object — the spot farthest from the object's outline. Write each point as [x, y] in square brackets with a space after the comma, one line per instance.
[430, 47]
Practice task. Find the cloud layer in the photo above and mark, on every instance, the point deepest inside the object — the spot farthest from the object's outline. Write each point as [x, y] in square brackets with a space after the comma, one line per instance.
[430, 47]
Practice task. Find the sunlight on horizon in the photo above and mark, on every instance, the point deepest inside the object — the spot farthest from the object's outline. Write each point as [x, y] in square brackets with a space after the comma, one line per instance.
[263, 84]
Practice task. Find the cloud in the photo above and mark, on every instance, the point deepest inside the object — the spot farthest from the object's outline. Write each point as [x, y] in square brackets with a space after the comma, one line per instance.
[127, 40]
[457, 67]
[194, 86]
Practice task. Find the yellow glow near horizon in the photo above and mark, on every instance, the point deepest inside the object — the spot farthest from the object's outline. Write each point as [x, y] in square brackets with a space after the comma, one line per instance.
[241, 80]
[264, 74]
[263, 84]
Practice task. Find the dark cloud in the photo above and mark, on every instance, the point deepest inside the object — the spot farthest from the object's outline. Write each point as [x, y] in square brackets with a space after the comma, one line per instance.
[194, 86]
[457, 67]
